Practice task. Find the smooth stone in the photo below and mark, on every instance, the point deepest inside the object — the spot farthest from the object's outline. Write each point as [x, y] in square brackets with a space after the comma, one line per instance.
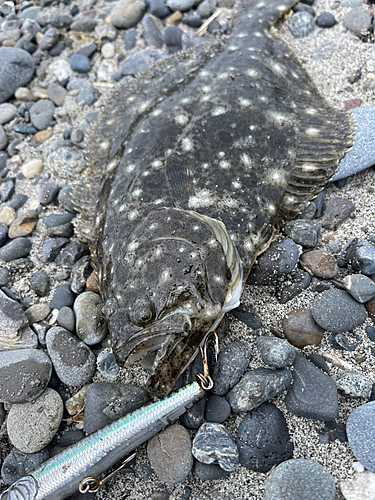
[303, 232]
[170, 455]
[370, 332]
[62, 21]
[3, 138]
[209, 472]
[57, 94]
[87, 96]
[107, 402]
[31, 426]
[206, 8]
[293, 287]
[88, 50]
[6, 190]
[130, 36]
[231, 364]
[80, 63]
[321, 264]
[18, 464]
[194, 416]
[263, 439]
[52, 247]
[40, 283]
[54, 220]
[172, 36]
[300, 479]
[72, 359]
[360, 287]
[3, 233]
[16, 70]
[256, 387]
[17, 201]
[80, 273]
[4, 276]
[361, 256]
[337, 211]
[181, 5]
[158, 9]
[127, 13]
[7, 112]
[107, 366]
[337, 311]
[41, 114]
[66, 319]
[213, 443]
[14, 330]
[15, 249]
[23, 226]
[300, 329]
[91, 327]
[360, 430]
[62, 297]
[301, 24]
[247, 315]
[217, 409]
[275, 352]
[360, 487]
[325, 20]
[48, 192]
[313, 394]
[7, 215]
[71, 254]
[84, 23]
[354, 384]
[357, 21]
[37, 312]
[32, 168]
[152, 34]
[24, 374]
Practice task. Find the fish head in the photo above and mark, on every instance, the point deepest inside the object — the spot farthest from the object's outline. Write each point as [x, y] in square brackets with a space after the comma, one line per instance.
[169, 293]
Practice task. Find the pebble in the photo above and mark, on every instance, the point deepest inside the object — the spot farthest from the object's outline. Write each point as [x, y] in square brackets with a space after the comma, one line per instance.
[357, 21]
[66, 319]
[170, 455]
[32, 168]
[87, 96]
[24, 129]
[354, 384]
[360, 487]
[345, 341]
[3, 138]
[72, 359]
[360, 287]
[62, 297]
[152, 33]
[18, 464]
[23, 226]
[325, 20]
[49, 39]
[319, 263]
[107, 402]
[16, 70]
[181, 5]
[127, 13]
[54, 220]
[87, 51]
[301, 24]
[256, 387]
[332, 431]
[15, 249]
[79, 63]
[24, 374]
[7, 112]
[313, 394]
[90, 325]
[370, 331]
[71, 254]
[6, 190]
[303, 232]
[52, 247]
[3, 233]
[300, 328]
[361, 256]
[231, 364]
[360, 430]
[213, 443]
[108, 50]
[300, 479]
[263, 439]
[14, 330]
[7, 215]
[172, 36]
[48, 192]
[338, 210]
[17, 201]
[84, 23]
[41, 114]
[247, 315]
[206, 8]
[107, 365]
[217, 409]
[158, 8]
[31, 426]
[37, 312]
[194, 416]
[336, 311]
[275, 352]
[57, 94]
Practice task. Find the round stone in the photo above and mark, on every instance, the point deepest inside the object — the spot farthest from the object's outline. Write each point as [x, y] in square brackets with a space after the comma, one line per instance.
[360, 430]
[301, 330]
[325, 20]
[7, 215]
[16, 70]
[41, 114]
[180, 5]
[357, 21]
[32, 168]
[31, 426]
[127, 13]
[62, 296]
[300, 479]
[301, 24]
[7, 112]
[18, 464]
[354, 384]
[108, 50]
[66, 319]
[275, 352]
[23, 226]
[90, 324]
[217, 409]
[79, 63]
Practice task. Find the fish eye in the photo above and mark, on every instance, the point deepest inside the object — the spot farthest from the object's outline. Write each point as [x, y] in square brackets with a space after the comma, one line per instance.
[142, 312]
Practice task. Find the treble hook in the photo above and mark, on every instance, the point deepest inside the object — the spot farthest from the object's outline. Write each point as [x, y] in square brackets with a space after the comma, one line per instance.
[204, 378]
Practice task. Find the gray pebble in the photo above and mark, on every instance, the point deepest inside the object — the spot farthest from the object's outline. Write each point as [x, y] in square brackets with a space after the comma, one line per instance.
[57, 49]
[213, 443]
[152, 33]
[172, 36]
[294, 286]
[357, 21]
[209, 472]
[17, 201]
[354, 384]
[158, 9]
[48, 192]
[302, 7]
[313, 393]
[62, 296]
[37, 312]
[325, 20]
[15, 249]
[303, 232]
[275, 352]
[57, 94]
[127, 13]
[130, 36]
[360, 287]
[337, 211]
[16, 70]
[206, 8]
[77, 135]
[170, 455]
[66, 319]
[301, 24]
[54, 220]
[24, 374]
[72, 359]
[193, 416]
[300, 479]
[4, 276]
[49, 39]
[361, 256]
[62, 21]
[88, 50]
[31, 426]
[14, 330]
[7, 112]
[84, 23]
[231, 364]
[90, 325]
[6, 190]
[181, 5]
[192, 20]
[336, 311]
[87, 96]
[256, 387]
[52, 247]
[41, 114]
[217, 409]
[360, 430]
[79, 63]
[18, 464]
[3, 138]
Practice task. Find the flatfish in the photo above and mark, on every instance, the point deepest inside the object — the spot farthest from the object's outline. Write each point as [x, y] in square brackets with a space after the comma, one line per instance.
[193, 167]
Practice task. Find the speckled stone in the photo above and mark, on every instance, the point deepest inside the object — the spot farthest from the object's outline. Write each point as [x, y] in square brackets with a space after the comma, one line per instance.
[91, 327]
[127, 13]
[230, 366]
[360, 430]
[361, 256]
[301, 24]
[275, 352]
[18, 464]
[16, 70]
[354, 384]
[213, 443]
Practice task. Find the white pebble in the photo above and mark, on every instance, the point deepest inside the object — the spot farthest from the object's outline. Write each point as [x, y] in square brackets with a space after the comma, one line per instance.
[32, 168]
[108, 50]
[358, 467]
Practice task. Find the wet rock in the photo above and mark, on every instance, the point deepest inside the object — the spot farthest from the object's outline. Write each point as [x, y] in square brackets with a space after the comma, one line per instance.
[275, 352]
[217, 409]
[48, 192]
[54, 220]
[313, 393]
[354, 384]
[361, 256]
[247, 315]
[6, 190]
[181, 5]
[41, 114]
[72, 359]
[232, 362]
[24, 374]
[320, 264]
[15, 249]
[16, 70]
[23, 226]
[18, 464]
[62, 296]
[213, 443]
[91, 326]
[263, 439]
[152, 33]
[14, 330]
[302, 480]
[301, 24]
[336, 311]
[256, 387]
[17, 201]
[337, 211]
[361, 434]
[170, 455]
[303, 232]
[193, 417]
[31, 426]
[127, 13]
[301, 330]
[360, 287]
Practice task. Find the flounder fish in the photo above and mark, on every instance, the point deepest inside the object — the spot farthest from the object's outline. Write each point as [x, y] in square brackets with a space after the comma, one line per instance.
[194, 165]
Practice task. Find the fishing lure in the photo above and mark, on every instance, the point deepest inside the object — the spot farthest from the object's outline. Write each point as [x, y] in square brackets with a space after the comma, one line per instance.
[79, 466]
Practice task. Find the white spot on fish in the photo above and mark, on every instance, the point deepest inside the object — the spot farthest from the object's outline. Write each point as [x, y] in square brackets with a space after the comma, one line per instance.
[277, 68]
[309, 167]
[104, 145]
[206, 89]
[252, 73]
[133, 246]
[196, 228]
[185, 100]
[258, 34]
[221, 154]
[159, 201]
[242, 34]
[205, 165]
[122, 208]
[145, 105]
[156, 112]
[263, 98]
[137, 192]
[181, 119]
[156, 163]
[187, 144]
[219, 110]
[145, 173]
[139, 262]
[232, 48]
[246, 160]
[223, 76]
[130, 168]
[158, 252]
[312, 131]
[224, 164]
[132, 215]
[236, 184]
[204, 73]
[244, 102]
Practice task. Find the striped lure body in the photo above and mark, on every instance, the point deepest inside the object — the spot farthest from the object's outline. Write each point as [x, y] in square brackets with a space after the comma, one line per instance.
[61, 475]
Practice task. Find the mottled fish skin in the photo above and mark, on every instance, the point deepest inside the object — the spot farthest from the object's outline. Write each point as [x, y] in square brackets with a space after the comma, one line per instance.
[242, 137]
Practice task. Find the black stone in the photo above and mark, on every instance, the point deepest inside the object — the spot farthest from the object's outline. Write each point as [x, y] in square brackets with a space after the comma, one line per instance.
[193, 417]
[232, 362]
[15, 249]
[217, 409]
[62, 296]
[71, 254]
[52, 247]
[172, 38]
[17, 201]
[247, 315]
[39, 283]
[48, 192]
[325, 20]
